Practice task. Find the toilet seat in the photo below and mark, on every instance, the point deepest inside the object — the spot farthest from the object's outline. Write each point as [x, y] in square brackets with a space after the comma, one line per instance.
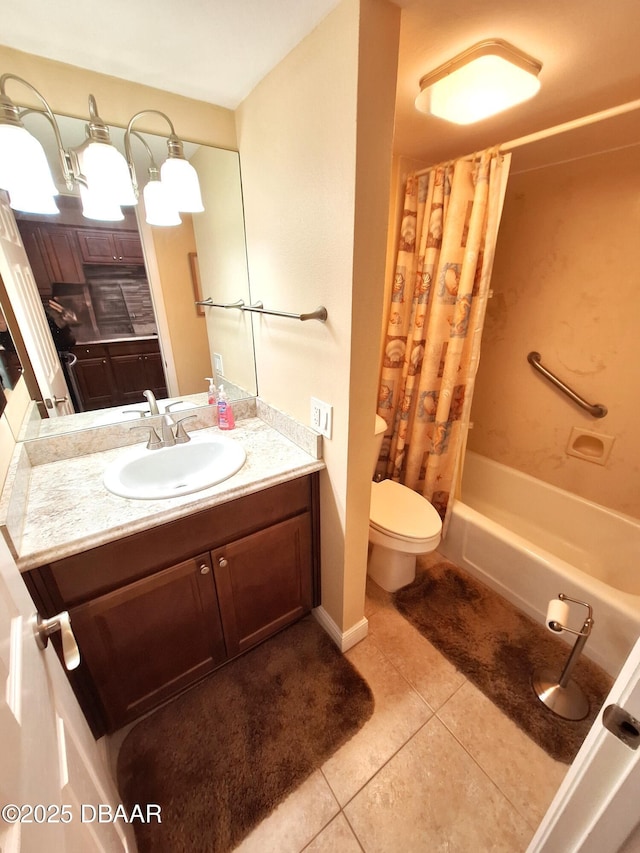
[400, 513]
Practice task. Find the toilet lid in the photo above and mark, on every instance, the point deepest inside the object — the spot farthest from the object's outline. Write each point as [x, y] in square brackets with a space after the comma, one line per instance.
[402, 512]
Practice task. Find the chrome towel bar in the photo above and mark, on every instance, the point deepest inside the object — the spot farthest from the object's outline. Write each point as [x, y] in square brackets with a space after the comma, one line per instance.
[595, 409]
[258, 308]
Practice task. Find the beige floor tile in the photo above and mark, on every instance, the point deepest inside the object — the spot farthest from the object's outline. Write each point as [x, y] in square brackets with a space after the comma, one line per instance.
[296, 821]
[422, 665]
[376, 598]
[519, 767]
[399, 712]
[338, 837]
[433, 797]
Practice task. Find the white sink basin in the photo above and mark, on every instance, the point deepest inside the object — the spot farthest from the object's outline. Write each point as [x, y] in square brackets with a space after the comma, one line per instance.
[173, 471]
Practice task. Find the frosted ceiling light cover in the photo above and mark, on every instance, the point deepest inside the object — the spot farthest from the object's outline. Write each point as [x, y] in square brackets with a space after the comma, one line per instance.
[485, 80]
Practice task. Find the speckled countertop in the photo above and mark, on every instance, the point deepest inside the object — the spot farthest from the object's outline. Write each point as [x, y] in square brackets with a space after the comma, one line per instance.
[68, 509]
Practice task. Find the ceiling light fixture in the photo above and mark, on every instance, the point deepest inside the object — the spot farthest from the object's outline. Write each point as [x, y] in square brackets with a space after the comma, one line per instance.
[483, 80]
[104, 178]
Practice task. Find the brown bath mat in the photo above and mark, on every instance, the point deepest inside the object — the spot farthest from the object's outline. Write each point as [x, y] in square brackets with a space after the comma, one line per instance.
[497, 647]
[220, 757]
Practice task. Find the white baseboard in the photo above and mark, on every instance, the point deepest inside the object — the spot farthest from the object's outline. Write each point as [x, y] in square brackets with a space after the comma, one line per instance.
[344, 641]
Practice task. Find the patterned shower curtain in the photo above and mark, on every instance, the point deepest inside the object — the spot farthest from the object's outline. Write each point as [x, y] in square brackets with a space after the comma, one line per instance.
[445, 254]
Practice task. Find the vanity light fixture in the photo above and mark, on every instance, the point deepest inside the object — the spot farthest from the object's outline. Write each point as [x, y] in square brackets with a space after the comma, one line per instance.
[177, 175]
[483, 80]
[105, 179]
[24, 170]
[158, 205]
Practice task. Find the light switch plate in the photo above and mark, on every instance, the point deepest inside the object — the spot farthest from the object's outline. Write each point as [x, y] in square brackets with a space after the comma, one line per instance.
[321, 417]
[217, 364]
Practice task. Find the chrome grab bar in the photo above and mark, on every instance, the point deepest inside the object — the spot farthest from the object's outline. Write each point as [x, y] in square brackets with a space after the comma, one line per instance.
[595, 409]
[258, 308]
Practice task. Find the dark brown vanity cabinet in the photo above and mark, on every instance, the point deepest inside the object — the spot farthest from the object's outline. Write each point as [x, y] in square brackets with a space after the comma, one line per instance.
[157, 611]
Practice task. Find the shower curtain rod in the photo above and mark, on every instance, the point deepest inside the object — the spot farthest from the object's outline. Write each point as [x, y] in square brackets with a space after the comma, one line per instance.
[505, 147]
[571, 125]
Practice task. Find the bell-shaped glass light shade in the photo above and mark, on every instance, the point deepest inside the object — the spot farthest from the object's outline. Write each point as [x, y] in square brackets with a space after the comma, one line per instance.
[24, 171]
[97, 206]
[107, 172]
[158, 205]
[29, 202]
[181, 181]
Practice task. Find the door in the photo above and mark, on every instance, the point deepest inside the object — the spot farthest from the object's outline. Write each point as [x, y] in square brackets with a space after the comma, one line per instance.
[25, 300]
[596, 807]
[150, 639]
[264, 582]
[51, 773]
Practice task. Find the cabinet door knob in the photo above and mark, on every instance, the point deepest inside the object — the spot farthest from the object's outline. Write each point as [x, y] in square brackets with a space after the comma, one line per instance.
[223, 562]
[204, 569]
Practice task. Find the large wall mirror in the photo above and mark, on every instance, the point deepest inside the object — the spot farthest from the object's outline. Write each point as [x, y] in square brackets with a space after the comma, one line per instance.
[120, 297]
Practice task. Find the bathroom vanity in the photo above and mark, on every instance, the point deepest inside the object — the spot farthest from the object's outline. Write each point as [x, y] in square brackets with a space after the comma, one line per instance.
[171, 590]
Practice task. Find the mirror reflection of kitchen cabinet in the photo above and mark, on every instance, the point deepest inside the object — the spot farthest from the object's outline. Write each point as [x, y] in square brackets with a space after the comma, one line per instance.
[136, 366]
[101, 246]
[53, 254]
[116, 373]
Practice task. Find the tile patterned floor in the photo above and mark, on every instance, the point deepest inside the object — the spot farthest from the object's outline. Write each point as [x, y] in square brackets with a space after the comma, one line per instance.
[437, 767]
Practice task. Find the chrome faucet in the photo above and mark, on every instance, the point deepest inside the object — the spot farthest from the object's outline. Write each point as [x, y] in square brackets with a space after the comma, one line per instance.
[168, 438]
[151, 399]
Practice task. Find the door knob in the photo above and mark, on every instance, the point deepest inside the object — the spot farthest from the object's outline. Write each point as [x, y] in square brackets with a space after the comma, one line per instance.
[57, 401]
[43, 628]
[204, 569]
[223, 562]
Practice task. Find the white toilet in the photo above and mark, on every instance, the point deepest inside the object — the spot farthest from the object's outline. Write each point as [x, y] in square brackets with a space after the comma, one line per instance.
[402, 524]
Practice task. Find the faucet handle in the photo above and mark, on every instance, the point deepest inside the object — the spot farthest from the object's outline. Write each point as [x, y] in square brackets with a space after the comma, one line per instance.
[167, 408]
[182, 436]
[142, 412]
[154, 441]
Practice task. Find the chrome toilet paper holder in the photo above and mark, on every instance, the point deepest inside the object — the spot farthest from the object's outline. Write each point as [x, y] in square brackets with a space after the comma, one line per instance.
[562, 694]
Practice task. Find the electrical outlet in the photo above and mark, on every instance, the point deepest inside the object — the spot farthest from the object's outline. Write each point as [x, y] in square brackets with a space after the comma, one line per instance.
[217, 364]
[321, 417]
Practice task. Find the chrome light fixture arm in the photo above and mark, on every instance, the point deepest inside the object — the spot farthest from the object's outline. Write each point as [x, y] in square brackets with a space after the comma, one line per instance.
[127, 142]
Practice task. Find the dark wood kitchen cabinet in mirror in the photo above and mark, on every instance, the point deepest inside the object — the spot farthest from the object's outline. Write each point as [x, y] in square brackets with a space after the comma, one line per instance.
[97, 273]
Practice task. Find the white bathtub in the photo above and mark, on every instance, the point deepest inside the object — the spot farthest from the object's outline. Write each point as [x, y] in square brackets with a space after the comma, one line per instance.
[530, 541]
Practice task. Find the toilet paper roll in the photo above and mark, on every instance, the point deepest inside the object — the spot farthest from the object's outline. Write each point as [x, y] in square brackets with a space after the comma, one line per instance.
[557, 611]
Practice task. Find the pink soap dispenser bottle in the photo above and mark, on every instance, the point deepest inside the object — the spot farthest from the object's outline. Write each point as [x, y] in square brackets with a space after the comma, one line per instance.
[226, 419]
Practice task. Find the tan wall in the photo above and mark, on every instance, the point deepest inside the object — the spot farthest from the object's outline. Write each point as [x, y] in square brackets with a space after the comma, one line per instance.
[172, 247]
[222, 260]
[309, 157]
[566, 283]
[67, 89]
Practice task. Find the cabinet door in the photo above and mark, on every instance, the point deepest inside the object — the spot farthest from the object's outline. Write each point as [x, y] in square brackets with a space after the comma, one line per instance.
[102, 246]
[61, 254]
[146, 641]
[264, 582]
[96, 383]
[128, 247]
[53, 255]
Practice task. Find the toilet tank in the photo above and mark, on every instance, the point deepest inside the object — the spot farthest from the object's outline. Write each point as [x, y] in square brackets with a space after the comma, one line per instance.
[380, 429]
